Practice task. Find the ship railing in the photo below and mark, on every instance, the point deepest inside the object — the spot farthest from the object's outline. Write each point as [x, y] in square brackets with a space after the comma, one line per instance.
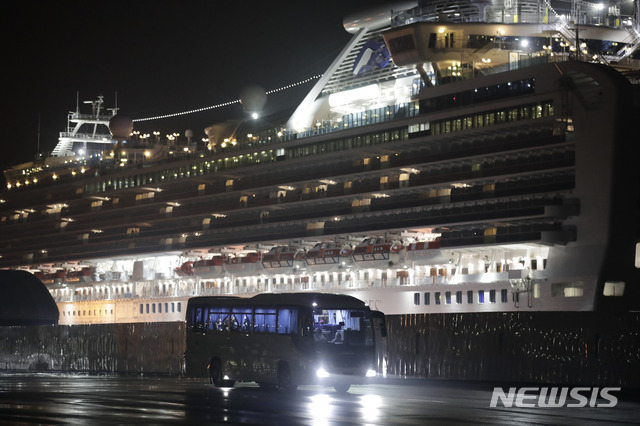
[91, 117]
[103, 138]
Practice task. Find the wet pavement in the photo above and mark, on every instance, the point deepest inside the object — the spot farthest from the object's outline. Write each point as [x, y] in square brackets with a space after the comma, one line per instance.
[80, 399]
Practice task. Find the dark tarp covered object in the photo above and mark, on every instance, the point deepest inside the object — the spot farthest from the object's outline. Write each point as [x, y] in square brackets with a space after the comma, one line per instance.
[24, 300]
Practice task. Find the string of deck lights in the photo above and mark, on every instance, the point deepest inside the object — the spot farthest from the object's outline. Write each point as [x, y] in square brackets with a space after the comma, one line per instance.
[224, 104]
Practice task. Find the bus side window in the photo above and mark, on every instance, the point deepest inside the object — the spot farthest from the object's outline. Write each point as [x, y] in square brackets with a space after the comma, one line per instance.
[287, 321]
[265, 320]
[218, 319]
[241, 319]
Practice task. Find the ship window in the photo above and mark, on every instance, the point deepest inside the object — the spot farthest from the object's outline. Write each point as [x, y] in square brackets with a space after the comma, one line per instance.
[403, 43]
[492, 296]
[480, 296]
[573, 289]
[179, 306]
[470, 296]
[614, 288]
[153, 308]
[437, 298]
[503, 295]
[458, 297]
[447, 297]
[427, 298]
[548, 110]
[141, 309]
[536, 291]
[416, 299]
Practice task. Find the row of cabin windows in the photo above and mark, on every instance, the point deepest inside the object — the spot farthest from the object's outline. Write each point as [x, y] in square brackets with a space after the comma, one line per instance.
[478, 95]
[525, 112]
[343, 144]
[150, 308]
[85, 312]
[491, 118]
[365, 118]
[448, 297]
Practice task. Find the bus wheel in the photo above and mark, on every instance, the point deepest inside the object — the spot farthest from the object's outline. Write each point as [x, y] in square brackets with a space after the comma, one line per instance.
[342, 387]
[215, 373]
[285, 380]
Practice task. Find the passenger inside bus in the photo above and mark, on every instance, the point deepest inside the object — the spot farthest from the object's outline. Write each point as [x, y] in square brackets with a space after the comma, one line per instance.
[235, 326]
[221, 325]
[339, 337]
[246, 324]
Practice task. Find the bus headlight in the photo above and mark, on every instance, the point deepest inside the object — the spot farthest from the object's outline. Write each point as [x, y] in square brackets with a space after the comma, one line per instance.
[322, 373]
[371, 373]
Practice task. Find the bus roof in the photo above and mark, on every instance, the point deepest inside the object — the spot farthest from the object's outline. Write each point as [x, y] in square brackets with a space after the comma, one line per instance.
[319, 300]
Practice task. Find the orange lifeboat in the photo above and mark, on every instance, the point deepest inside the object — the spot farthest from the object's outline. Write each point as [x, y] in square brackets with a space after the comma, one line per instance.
[378, 253]
[185, 270]
[210, 268]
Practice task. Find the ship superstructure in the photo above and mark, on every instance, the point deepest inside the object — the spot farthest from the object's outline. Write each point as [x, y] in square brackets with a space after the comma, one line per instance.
[87, 134]
[453, 158]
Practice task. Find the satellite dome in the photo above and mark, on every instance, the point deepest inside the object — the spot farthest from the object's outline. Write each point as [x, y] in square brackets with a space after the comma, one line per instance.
[120, 127]
[253, 98]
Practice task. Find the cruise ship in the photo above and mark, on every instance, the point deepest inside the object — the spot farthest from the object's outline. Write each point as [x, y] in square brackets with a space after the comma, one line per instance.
[457, 156]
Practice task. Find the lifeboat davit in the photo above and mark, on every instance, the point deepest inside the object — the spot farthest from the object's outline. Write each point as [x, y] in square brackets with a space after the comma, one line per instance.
[282, 259]
[327, 256]
[378, 253]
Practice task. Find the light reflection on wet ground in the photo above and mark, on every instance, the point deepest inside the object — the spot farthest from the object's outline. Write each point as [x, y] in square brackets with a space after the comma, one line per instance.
[48, 398]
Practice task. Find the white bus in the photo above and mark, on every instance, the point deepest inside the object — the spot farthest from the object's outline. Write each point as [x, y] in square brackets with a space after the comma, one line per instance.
[283, 340]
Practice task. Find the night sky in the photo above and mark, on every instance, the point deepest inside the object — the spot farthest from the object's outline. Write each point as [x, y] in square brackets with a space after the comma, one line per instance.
[160, 58]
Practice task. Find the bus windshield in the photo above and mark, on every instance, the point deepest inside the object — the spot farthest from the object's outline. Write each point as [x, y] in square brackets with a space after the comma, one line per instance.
[342, 327]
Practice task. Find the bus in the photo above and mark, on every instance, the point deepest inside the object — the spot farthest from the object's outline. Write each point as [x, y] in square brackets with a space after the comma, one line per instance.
[282, 340]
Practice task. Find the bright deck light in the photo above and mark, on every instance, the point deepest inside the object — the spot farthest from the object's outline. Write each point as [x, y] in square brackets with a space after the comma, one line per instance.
[371, 91]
